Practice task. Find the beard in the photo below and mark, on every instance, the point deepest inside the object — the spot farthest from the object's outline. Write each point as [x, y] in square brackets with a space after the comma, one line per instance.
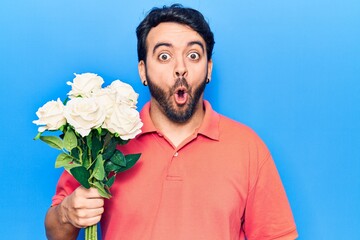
[174, 112]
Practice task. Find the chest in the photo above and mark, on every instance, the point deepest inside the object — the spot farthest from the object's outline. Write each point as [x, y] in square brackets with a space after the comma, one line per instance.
[204, 180]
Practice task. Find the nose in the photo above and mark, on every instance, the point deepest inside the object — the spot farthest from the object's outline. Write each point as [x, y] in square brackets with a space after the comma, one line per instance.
[180, 69]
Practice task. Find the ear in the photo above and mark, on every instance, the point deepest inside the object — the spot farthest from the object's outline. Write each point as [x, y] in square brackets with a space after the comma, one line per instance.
[209, 69]
[142, 71]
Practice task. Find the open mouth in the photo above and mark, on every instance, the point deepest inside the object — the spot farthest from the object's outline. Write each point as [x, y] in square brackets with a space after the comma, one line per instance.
[181, 96]
[181, 93]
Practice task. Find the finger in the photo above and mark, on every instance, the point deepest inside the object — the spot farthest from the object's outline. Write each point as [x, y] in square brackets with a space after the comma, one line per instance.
[91, 193]
[85, 217]
[87, 203]
[89, 213]
[94, 203]
[86, 222]
[83, 193]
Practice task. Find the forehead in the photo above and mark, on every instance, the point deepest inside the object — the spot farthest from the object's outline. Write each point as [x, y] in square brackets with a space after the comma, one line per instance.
[175, 34]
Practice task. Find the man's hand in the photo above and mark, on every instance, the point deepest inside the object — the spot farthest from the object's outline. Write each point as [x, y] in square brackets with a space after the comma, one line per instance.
[82, 208]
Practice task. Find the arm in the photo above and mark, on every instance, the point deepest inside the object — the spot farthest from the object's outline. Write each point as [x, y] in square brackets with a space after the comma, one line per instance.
[268, 214]
[80, 209]
[56, 229]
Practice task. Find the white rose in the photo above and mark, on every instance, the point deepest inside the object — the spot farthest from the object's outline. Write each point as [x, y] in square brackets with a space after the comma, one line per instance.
[124, 121]
[124, 93]
[84, 114]
[85, 84]
[51, 115]
[106, 97]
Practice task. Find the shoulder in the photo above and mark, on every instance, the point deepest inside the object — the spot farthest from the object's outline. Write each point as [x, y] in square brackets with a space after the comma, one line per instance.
[236, 130]
[242, 138]
[231, 133]
[218, 126]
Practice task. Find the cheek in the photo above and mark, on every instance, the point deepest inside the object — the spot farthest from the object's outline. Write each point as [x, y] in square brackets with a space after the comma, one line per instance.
[198, 73]
[159, 73]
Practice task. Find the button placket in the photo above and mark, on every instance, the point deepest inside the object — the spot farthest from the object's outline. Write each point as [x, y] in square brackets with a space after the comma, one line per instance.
[175, 169]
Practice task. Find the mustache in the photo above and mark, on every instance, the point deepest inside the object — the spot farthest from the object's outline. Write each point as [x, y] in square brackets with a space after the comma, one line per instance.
[180, 82]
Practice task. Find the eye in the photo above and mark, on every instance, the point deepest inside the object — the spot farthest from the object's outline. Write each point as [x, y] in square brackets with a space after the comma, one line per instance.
[194, 56]
[164, 57]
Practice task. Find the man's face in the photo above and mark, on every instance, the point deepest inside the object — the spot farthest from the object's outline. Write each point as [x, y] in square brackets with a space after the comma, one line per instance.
[176, 69]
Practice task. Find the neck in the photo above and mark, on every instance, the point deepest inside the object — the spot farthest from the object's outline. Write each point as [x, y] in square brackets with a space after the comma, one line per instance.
[176, 132]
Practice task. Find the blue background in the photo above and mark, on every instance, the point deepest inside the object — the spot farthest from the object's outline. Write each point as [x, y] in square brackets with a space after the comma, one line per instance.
[288, 69]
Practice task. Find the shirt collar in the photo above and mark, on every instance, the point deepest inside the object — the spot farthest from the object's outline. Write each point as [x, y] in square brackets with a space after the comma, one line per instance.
[210, 124]
[208, 128]
[148, 126]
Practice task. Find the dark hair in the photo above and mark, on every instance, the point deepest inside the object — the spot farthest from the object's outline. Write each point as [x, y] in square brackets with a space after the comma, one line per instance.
[178, 14]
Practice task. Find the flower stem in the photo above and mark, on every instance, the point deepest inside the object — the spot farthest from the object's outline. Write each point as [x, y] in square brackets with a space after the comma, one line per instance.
[91, 232]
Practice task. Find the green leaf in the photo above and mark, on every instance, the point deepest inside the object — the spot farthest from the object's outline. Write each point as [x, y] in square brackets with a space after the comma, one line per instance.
[52, 141]
[96, 145]
[66, 100]
[110, 149]
[82, 175]
[104, 132]
[75, 153]
[119, 159]
[62, 128]
[98, 171]
[63, 160]
[71, 166]
[86, 161]
[110, 182]
[101, 189]
[111, 167]
[131, 159]
[121, 141]
[70, 140]
[89, 140]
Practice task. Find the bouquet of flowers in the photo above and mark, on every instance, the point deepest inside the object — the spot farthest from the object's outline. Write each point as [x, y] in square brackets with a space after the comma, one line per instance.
[87, 127]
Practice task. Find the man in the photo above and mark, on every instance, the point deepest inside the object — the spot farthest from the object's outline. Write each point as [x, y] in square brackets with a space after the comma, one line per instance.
[200, 175]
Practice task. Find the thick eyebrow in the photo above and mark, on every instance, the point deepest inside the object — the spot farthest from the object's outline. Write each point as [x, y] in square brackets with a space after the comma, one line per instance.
[170, 45]
[197, 43]
[161, 44]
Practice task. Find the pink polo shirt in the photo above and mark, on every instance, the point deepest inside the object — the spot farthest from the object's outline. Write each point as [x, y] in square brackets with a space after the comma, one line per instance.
[219, 184]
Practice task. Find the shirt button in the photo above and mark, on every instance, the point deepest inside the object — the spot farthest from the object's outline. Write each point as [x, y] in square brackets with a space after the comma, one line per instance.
[176, 154]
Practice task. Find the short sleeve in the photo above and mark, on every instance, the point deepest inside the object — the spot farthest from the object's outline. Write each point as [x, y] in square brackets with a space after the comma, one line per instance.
[268, 214]
[65, 186]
